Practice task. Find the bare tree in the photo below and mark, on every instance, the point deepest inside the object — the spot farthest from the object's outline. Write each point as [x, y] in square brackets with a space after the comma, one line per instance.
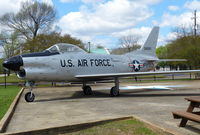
[32, 18]
[10, 44]
[182, 31]
[129, 42]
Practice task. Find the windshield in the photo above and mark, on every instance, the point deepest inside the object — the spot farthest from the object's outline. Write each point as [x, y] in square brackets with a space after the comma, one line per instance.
[53, 49]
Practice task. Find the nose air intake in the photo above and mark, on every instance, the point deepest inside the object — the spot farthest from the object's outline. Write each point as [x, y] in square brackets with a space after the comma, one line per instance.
[13, 63]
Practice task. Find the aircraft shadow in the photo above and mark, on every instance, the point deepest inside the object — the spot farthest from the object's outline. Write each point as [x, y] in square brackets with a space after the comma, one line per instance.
[128, 94]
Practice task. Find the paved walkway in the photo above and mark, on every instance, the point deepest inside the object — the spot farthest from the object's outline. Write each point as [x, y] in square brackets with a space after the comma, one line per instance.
[62, 106]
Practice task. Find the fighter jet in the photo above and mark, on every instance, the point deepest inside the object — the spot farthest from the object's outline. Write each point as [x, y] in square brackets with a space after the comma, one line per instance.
[68, 63]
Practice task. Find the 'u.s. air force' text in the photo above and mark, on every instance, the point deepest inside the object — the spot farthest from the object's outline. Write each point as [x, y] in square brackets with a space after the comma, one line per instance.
[86, 63]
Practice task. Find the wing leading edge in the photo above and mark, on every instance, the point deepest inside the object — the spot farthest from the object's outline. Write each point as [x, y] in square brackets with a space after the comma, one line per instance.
[110, 75]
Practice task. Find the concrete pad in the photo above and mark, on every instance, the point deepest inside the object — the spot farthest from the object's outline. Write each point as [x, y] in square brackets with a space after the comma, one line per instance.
[61, 106]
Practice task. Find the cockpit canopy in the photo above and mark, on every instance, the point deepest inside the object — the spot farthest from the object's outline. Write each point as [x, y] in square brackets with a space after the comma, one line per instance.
[64, 48]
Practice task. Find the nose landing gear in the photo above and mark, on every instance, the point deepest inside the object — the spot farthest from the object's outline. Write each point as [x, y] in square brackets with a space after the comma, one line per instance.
[29, 96]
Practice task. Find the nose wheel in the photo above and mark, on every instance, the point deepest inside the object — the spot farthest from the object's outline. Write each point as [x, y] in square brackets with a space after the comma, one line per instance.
[29, 96]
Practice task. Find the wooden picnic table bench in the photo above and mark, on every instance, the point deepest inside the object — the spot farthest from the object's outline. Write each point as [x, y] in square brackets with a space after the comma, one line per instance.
[189, 114]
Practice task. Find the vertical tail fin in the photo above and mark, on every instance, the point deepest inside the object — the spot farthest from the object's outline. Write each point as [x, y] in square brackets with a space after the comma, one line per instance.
[149, 46]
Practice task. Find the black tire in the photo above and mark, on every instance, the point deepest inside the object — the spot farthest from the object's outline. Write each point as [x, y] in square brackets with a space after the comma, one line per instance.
[87, 90]
[28, 97]
[114, 92]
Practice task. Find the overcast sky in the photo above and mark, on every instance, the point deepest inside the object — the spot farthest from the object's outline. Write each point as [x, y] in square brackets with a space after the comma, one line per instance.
[104, 21]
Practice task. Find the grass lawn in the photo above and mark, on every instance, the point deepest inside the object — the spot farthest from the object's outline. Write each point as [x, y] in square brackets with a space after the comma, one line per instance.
[122, 127]
[7, 96]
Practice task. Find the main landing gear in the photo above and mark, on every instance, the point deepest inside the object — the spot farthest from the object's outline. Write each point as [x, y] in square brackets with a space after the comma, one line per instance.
[29, 96]
[87, 90]
[114, 91]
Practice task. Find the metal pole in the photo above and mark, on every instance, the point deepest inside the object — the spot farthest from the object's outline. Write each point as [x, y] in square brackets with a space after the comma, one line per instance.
[5, 78]
[195, 22]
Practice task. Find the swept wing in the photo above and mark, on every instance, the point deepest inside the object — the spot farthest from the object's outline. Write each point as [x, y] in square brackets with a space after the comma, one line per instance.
[134, 74]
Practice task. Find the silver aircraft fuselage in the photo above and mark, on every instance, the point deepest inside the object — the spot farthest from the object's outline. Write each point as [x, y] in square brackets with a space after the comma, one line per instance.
[67, 62]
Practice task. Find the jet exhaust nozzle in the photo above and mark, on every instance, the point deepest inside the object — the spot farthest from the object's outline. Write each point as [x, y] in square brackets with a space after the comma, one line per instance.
[13, 63]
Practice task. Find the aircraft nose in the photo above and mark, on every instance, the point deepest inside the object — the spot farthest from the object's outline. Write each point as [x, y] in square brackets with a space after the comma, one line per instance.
[13, 63]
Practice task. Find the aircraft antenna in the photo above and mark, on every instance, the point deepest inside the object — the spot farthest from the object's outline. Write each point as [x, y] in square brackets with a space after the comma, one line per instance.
[89, 46]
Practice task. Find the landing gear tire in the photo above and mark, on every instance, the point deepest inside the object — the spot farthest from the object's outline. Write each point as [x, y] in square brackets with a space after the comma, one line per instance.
[114, 92]
[87, 90]
[29, 97]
